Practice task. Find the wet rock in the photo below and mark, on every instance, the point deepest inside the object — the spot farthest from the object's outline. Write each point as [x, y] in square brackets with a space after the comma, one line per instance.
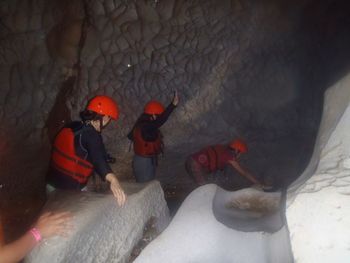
[318, 197]
[146, 11]
[257, 70]
[194, 235]
[103, 231]
[109, 6]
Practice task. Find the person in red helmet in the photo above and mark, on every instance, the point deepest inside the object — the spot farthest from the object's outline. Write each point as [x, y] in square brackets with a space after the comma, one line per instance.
[78, 150]
[147, 138]
[215, 157]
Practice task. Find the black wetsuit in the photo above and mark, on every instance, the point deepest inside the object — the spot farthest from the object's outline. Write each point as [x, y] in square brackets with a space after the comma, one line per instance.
[88, 146]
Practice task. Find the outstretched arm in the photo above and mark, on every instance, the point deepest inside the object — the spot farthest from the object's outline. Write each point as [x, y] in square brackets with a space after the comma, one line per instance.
[48, 225]
[243, 172]
[116, 188]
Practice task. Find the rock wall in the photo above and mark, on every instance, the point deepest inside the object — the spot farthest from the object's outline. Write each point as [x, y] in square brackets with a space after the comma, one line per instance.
[242, 68]
[318, 212]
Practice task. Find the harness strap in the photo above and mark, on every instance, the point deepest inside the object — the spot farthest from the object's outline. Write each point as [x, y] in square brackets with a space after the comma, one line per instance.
[86, 165]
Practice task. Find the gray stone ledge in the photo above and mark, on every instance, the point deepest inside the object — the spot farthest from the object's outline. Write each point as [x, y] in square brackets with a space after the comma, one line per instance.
[103, 232]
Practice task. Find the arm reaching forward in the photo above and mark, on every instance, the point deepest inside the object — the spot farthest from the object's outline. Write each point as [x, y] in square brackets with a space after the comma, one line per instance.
[243, 172]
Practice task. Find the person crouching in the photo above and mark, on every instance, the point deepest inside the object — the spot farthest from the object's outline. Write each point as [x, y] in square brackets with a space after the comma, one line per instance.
[214, 158]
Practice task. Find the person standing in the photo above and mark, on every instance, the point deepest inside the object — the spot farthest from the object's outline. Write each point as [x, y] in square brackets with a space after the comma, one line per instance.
[148, 140]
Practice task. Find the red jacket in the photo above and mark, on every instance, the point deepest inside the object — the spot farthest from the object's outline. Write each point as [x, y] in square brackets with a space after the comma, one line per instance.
[213, 157]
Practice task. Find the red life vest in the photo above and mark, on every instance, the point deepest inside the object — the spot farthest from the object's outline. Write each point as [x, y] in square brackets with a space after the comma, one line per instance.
[213, 157]
[146, 148]
[65, 160]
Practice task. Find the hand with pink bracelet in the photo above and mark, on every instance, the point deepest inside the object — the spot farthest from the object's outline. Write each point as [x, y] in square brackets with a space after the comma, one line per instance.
[49, 224]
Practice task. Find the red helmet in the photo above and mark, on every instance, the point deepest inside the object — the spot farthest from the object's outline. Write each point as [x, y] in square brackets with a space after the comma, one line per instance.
[154, 107]
[104, 105]
[239, 145]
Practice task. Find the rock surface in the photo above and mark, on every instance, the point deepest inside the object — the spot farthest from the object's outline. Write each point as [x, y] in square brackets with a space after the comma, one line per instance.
[318, 214]
[242, 68]
[103, 232]
[194, 235]
[249, 68]
[249, 210]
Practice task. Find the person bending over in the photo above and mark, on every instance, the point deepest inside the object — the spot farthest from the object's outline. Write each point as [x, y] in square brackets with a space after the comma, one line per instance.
[78, 150]
[213, 158]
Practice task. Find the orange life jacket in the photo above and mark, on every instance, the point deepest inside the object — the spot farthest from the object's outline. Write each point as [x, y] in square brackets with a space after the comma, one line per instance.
[214, 154]
[146, 148]
[65, 160]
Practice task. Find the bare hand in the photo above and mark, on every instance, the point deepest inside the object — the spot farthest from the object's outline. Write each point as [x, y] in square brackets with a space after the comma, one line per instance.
[50, 224]
[116, 189]
[175, 99]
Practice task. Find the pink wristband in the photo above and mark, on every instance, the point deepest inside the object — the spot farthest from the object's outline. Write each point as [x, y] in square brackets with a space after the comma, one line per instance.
[36, 234]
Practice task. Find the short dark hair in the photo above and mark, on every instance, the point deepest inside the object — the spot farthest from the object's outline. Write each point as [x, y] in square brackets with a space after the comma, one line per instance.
[88, 115]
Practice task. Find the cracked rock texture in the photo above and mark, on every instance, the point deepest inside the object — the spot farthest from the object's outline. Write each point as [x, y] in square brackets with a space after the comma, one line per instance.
[102, 232]
[251, 69]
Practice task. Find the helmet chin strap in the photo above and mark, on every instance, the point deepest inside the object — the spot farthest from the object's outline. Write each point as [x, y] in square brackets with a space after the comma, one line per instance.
[101, 123]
